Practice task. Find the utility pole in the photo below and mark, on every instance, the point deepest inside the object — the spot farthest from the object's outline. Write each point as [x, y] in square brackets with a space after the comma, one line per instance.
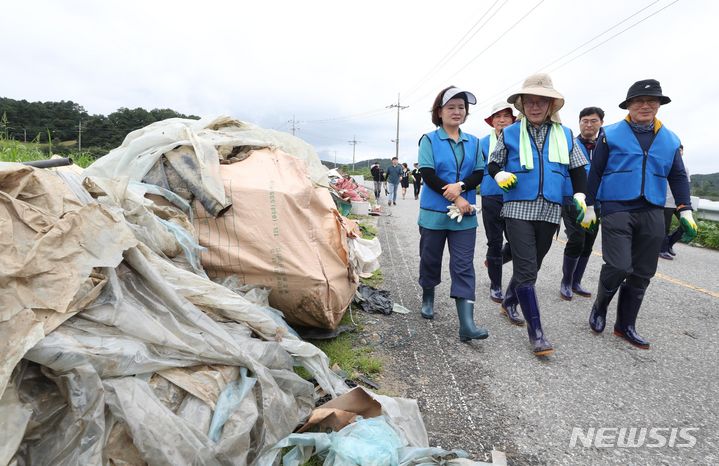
[396, 141]
[293, 122]
[335, 159]
[79, 137]
[354, 143]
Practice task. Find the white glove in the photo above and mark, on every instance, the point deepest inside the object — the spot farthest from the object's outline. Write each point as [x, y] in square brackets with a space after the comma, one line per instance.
[506, 180]
[454, 212]
[686, 219]
[581, 205]
[589, 222]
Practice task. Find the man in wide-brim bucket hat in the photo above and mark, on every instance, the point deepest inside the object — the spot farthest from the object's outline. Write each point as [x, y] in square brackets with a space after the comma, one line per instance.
[631, 166]
[530, 162]
[539, 84]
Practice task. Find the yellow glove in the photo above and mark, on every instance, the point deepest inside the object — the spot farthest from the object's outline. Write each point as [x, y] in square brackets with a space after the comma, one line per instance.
[686, 219]
[580, 205]
[589, 220]
[506, 180]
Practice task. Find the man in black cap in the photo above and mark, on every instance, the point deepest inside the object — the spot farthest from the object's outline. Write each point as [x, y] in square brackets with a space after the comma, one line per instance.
[630, 168]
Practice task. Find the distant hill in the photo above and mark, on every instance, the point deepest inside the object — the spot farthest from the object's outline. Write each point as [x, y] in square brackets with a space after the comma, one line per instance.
[706, 186]
[384, 163]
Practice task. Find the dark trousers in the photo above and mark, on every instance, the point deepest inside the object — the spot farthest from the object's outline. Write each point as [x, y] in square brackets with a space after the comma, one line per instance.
[461, 260]
[493, 224]
[579, 240]
[417, 185]
[630, 246]
[530, 243]
[377, 189]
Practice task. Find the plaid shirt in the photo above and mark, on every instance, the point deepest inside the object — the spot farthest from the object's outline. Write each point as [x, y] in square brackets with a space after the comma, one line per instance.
[540, 209]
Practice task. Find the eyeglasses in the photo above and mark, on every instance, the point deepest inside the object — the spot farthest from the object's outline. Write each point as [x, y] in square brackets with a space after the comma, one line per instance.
[587, 121]
[651, 101]
[537, 103]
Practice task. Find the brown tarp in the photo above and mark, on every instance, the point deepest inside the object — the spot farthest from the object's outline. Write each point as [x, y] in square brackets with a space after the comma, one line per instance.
[282, 232]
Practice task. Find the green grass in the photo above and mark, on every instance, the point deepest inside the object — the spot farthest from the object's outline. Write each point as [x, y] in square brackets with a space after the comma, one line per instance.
[707, 236]
[375, 280]
[347, 353]
[15, 151]
[368, 230]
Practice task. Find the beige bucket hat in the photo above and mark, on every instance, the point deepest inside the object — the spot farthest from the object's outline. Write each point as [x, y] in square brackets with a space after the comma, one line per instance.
[539, 84]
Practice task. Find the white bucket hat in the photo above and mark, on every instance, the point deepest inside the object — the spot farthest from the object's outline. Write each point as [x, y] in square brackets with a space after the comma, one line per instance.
[539, 84]
[498, 107]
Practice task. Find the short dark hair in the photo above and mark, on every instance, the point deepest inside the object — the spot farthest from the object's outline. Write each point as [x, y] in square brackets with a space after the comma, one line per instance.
[591, 111]
[395, 158]
[437, 105]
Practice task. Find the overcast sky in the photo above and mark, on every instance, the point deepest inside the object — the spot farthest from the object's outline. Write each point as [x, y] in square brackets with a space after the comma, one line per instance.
[336, 65]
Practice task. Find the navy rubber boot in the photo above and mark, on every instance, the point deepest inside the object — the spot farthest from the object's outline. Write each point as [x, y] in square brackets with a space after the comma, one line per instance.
[577, 278]
[428, 303]
[509, 305]
[467, 328]
[530, 308]
[494, 270]
[630, 300]
[598, 315]
[565, 287]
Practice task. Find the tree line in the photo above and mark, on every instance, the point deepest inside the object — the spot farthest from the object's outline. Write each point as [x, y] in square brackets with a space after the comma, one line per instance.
[64, 121]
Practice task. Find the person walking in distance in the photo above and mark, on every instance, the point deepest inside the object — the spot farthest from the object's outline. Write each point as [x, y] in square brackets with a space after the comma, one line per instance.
[376, 172]
[452, 167]
[404, 179]
[531, 160]
[417, 180]
[631, 166]
[500, 117]
[393, 175]
[579, 245]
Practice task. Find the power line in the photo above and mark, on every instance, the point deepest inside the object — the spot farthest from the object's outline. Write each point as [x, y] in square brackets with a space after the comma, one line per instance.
[490, 99]
[499, 37]
[367, 114]
[457, 47]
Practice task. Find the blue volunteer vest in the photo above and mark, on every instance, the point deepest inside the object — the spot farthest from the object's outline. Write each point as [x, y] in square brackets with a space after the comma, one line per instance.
[630, 172]
[546, 179]
[489, 187]
[445, 166]
[568, 189]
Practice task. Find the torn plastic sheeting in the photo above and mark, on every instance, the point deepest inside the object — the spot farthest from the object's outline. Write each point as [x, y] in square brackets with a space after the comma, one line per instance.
[14, 417]
[161, 437]
[204, 382]
[77, 435]
[436, 456]
[369, 442]
[223, 301]
[229, 400]
[189, 246]
[371, 299]
[364, 255]
[140, 325]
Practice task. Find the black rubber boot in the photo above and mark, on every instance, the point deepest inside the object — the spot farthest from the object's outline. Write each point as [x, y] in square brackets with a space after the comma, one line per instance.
[428, 303]
[530, 308]
[494, 270]
[509, 305]
[630, 300]
[565, 287]
[467, 328]
[577, 278]
[598, 315]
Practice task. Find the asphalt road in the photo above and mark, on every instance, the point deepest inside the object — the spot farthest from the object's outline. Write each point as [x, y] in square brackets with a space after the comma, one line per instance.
[496, 394]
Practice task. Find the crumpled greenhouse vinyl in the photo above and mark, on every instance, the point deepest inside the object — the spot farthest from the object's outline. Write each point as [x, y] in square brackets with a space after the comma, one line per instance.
[117, 348]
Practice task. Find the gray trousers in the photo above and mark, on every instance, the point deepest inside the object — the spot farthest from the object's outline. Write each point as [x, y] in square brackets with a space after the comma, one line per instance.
[630, 247]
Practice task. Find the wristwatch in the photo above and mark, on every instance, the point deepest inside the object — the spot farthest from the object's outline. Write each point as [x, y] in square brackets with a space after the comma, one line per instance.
[463, 186]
